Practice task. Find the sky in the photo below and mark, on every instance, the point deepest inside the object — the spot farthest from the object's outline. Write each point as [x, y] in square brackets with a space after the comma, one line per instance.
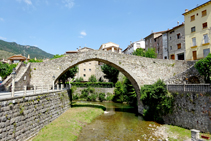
[57, 26]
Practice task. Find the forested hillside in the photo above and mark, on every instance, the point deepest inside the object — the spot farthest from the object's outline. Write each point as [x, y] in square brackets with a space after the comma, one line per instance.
[14, 48]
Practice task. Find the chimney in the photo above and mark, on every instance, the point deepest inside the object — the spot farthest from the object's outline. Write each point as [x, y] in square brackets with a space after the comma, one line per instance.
[177, 22]
[79, 47]
[130, 42]
[186, 10]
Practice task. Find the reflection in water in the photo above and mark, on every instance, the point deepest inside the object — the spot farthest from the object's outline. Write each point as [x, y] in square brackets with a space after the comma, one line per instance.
[119, 122]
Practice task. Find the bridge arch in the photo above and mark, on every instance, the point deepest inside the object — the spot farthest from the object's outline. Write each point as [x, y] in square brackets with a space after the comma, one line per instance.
[122, 70]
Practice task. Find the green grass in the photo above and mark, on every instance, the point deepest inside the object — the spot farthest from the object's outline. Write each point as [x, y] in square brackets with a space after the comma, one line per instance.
[68, 126]
[181, 133]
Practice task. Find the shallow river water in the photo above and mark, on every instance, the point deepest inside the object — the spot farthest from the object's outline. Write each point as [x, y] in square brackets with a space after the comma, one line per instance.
[119, 123]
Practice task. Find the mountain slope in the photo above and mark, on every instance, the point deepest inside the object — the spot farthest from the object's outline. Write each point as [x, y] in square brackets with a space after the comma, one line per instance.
[5, 54]
[15, 48]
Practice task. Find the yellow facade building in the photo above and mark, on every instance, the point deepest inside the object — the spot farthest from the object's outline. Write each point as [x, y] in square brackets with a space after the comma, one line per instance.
[198, 31]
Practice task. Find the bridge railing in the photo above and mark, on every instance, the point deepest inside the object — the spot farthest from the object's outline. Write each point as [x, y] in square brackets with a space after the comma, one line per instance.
[29, 90]
[189, 87]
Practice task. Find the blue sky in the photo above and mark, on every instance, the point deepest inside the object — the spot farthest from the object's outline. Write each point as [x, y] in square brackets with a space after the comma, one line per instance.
[57, 26]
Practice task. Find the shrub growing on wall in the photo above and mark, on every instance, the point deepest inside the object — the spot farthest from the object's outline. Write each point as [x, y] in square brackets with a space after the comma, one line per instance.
[101, 96]
[109, 96]
[158, 100]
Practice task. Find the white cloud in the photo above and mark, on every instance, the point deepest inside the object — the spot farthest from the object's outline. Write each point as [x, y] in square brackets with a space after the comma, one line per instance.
[28, 2]
[83, 33]
[3, 38]
[69, 3]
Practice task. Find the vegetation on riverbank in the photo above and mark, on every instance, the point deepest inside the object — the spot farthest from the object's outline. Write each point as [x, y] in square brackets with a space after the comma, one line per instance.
[69, 124]
[157, 100]
[175, 133]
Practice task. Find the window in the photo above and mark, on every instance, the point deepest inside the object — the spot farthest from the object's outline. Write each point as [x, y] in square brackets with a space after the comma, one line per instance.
[84, 69]
[84, 75]
[206, 52]
[89, 69]
[178, 36]
[170, 47]
[137, 44]
[179, 46]
[194, 41]
[193, 29]
[90, 63]
[204, 13]
[170, 38]
[206, 40]
[192, 18]
[204, 25]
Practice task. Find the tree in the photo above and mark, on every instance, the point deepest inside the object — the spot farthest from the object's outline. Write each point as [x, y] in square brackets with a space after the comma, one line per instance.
[57, 56]
[6, 69]
[92, 78]
[70, 73]
[139, 52]
[118, 92]
[204, 67]
[110, 72]
[158, 100]
[129, 92]
[150, 53]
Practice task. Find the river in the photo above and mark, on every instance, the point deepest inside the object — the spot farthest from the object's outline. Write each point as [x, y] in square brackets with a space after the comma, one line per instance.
[119, 123]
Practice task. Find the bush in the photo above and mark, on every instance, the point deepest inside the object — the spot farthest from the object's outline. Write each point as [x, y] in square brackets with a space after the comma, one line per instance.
[93, 84]
[92, 78]
[157, 98]
[84, 93]
[109, 96]
[79, 79]
[102, 96]
[92, 97]
[76, 96]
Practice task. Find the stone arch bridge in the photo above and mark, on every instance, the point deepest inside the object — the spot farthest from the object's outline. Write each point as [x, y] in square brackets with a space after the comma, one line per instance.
[139, 70]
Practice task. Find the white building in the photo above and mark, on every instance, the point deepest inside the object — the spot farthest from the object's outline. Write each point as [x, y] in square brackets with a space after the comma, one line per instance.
[133, 46]
[110, 46]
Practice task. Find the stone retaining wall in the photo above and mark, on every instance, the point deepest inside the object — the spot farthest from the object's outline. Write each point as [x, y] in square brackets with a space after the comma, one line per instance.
[191, 110]
[23, 117]
[98, 90]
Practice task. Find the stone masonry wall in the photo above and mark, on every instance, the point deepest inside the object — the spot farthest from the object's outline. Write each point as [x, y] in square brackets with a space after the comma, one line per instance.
[23, 117]
[191, 110]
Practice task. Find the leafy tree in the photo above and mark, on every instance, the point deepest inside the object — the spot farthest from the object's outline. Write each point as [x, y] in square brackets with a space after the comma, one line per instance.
[70, 73]
[6, 69]
[118, 92]
[158, 100]
[57, 56]
[139, 52]
[129, 92]
[150, 53]
[204, 67]
[92, 78]
[110, 72]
